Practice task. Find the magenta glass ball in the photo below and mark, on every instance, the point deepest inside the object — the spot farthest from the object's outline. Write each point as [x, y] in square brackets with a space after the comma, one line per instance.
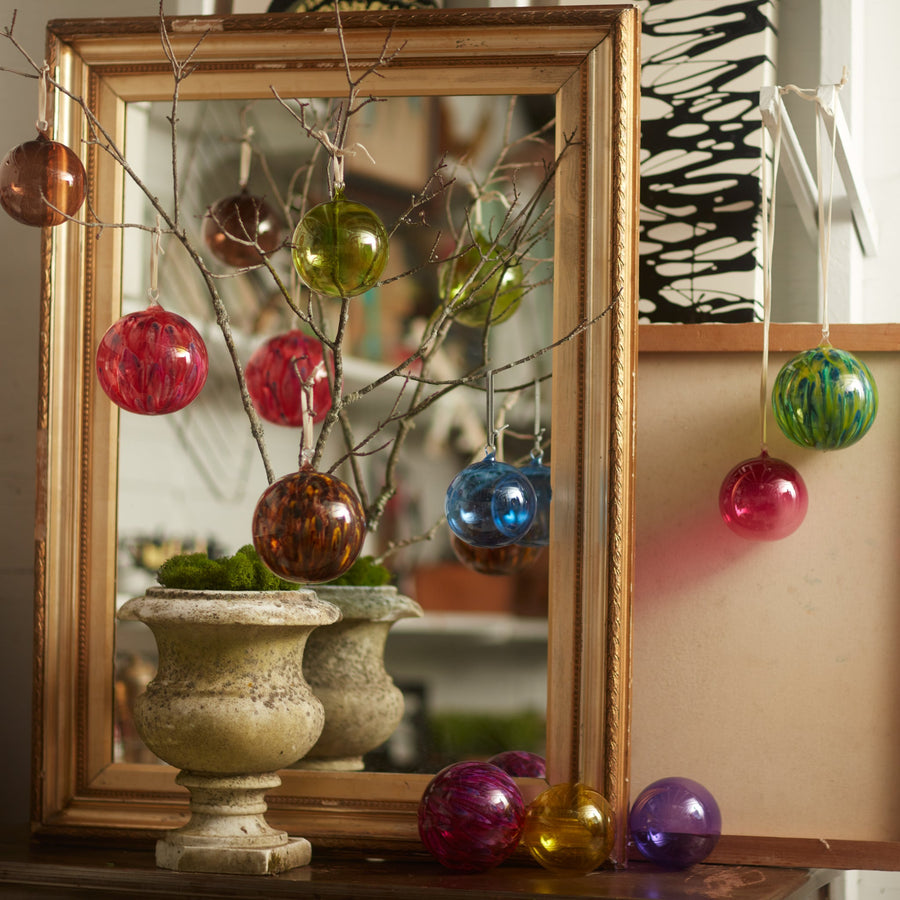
[275, 374]
[675, 822]
[471, 816]
[763, 499]
[152, 362]
[520, 763]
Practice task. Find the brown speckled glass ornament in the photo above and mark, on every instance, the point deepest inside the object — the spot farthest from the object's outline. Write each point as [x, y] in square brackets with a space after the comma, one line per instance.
[234, 220]
[309, 526]
[494, 560]
[37, 176]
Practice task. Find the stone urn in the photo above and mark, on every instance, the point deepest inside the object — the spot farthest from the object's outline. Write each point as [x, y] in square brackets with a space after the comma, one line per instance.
[229, 706]
[344, 665]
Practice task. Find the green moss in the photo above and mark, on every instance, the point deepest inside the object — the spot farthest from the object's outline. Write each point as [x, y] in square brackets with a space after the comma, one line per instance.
[244, 571]
[365, 572]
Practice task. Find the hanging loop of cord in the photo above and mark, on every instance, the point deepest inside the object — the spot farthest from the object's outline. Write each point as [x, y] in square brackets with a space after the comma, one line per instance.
[246, 157]
[768, 244]
[43, 125]
[155, 250]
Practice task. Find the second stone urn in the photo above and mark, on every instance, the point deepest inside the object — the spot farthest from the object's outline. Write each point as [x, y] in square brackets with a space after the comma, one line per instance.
[344, 665]
[229, 706]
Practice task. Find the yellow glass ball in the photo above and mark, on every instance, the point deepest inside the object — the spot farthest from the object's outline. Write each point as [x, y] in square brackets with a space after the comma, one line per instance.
[569, 828]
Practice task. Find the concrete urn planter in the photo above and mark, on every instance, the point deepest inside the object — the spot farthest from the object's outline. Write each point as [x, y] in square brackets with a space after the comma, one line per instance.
[344, 665]
[229, 706]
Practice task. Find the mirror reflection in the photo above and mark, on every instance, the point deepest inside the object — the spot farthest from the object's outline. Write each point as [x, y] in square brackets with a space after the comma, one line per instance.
[438, 170]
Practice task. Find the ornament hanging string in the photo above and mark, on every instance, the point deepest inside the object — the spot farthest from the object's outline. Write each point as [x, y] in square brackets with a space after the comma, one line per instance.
[537, 451]
[155, 251]
[246, 157]
[768, 244]
[307, 411]
[42, 124]
[337, 154]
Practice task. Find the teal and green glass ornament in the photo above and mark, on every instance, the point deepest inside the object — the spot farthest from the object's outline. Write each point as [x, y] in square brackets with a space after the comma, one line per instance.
[825, 398]
[483, 285]
[340, 247]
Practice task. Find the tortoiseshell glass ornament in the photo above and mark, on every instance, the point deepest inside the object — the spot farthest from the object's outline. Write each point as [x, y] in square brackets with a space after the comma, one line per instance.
[309, 526]
[825, 398]
[340, 248]
[152, 362]
[484, 285]
[239, 230]
[275, 374]
[494, 560]
[41, 182]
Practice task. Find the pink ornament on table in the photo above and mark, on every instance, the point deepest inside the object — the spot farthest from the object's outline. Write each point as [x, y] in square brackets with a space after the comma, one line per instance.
[763, 499]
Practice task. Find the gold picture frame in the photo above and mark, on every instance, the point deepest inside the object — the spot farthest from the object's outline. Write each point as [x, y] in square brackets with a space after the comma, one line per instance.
[587, 58]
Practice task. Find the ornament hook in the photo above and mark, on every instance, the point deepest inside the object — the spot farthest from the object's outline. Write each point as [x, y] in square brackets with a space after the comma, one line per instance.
[44, 78]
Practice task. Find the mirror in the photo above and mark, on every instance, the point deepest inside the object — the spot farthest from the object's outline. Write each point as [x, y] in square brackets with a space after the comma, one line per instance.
[589, 70]
[474, 667]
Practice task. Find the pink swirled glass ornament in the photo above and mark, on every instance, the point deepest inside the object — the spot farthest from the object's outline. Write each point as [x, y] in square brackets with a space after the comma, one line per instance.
[152, 362]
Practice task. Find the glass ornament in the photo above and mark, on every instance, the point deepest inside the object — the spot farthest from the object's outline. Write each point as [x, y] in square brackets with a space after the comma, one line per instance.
[520, 763]
[490, 503]
[152, 362]
[473, 280]
[503, 560]
[539, 476]
[340, 248]
[763, 499]
[569, 829]
[471, 816]
[825, 398]
[675, 822]
[275, 374]
[39, 175]
[308, 526]
[233, 221]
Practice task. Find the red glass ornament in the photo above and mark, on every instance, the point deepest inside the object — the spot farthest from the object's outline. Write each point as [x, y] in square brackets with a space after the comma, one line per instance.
[41, 182]
[309, 527]
[275, 374]
[763, 499]
[152, 362]
[233, 221]
[494, 560]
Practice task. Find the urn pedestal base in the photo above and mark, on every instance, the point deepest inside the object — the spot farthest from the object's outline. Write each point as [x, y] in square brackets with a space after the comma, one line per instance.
[227, 832]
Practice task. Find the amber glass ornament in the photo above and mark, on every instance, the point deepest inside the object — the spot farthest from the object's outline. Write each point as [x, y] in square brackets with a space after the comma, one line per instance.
[484, 285]
[494, 560]
[234, 221]
[340, 248]
[39, 175]
[309, 526]
[152, 362]
[275, 374]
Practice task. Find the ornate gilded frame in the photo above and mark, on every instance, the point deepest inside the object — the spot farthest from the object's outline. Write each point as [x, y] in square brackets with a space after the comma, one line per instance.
[587, 57]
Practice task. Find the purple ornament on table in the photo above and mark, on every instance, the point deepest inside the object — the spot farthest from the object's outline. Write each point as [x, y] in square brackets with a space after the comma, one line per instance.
[471, 816]
[520, 763]
[675, 822]
[763, 499]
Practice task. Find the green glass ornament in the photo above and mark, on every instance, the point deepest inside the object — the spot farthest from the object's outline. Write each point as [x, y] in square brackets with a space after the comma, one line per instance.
[824, 398]
[340, 248]
[496, 274]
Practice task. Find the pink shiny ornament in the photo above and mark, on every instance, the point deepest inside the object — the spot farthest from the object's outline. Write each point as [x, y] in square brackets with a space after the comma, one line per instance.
[275, 374]
[152, 362]
[763, 499]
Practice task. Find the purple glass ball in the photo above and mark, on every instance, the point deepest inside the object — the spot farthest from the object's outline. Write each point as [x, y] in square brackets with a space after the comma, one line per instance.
[763, 499]
[520, 763]
[471, 816]
[675, 822]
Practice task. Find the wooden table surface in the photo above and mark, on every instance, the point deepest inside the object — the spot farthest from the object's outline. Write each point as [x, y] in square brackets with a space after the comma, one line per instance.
[60, 871]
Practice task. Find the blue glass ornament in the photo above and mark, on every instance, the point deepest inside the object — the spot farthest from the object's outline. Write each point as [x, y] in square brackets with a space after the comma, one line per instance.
[490, 503]
[675, 822]
[539, 476]
[824, 398]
